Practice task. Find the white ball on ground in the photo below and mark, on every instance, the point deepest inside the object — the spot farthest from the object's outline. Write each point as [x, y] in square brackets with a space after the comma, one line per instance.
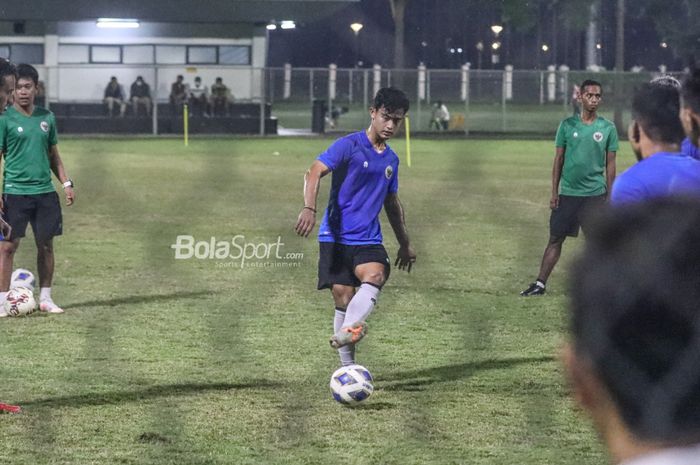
[351, 384]
[22, 278]
[19, 302]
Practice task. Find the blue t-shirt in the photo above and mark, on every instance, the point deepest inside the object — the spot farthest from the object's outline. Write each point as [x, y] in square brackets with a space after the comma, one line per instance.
[687, 148]
[362, 178]
[660, 175]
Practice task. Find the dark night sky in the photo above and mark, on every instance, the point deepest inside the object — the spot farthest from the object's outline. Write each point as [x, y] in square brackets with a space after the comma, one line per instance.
[451, 25]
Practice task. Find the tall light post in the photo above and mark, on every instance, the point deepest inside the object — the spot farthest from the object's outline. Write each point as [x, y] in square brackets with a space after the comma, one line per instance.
[356, 28]
[480, 49]
[495, 58]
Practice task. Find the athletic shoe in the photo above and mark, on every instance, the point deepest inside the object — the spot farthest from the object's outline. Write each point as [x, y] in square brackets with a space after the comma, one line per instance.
[534, 289]
[349, 335]
[10, 408]
[3, 313]
[47, 306]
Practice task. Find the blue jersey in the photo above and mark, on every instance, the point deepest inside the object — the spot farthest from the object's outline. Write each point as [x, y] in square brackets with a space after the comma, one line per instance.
[362, 178]
[660, 175]
[687, 148]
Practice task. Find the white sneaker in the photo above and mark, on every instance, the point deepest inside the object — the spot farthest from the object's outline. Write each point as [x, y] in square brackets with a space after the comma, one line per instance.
[47, 306]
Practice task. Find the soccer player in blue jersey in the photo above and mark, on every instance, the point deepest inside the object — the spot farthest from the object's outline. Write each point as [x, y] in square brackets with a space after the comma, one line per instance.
[690, 113]
[655, 134]
[687, 147]
[353, 263]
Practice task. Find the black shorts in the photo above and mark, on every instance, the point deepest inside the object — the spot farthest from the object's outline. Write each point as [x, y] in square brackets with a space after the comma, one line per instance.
[337, 262]
[42, 211]
[573, 213]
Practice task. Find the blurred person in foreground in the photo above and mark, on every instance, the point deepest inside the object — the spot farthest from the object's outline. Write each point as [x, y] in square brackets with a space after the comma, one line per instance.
[690, 114]
[633, 360]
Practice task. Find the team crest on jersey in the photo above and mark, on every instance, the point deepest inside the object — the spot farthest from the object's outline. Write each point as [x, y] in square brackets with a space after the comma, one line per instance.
[44, 126]
[20, 129]
[365, 164]
[575, 134]
[388, 172]
[597, 136]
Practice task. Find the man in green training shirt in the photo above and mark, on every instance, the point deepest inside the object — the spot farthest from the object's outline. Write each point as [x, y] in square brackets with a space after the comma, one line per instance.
[29, 151]
[582, 176]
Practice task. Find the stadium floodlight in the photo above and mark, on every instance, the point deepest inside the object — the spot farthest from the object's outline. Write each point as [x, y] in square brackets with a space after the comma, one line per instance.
[663, 45]
[271, 27]
[356, 27]
[545, 47]
[117, 23]
[497, 28]
[496, 45]
[288, 25]
[599, 46]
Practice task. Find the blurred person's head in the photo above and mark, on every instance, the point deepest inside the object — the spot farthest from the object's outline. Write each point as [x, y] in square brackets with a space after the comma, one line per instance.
[655, 121]
[8, 79]
[690, 107]
[634, 356]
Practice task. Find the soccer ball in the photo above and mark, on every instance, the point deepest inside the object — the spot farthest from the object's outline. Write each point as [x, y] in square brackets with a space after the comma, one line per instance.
[20, 301]
[22, 278]
[351, 385]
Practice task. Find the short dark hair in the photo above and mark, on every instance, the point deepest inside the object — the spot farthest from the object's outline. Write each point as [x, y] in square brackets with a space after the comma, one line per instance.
[25, 71]
[655, 108]
[666, 80]
[691, 91]
[392, 99]
[6, 69]
[635, 318]
[588, 83]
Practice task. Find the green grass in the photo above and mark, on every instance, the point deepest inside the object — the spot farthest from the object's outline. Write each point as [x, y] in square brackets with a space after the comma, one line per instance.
[164, 361]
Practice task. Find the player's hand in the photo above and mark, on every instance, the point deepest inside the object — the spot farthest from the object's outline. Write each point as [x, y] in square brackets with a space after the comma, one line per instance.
[305, 222]
[70, 195]
[554, 202]
[5, 229]
[405, 258]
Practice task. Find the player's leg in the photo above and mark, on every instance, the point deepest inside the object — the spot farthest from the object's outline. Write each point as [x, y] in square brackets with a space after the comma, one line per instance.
[46, 223]
[372, 270]
[563, 222]
[7, 255]
[341, 297]
[17, 213]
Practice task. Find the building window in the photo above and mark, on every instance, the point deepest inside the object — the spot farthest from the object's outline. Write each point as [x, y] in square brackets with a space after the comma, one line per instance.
[138, 54]
[23, 53]
[105, 54]
[234, 55]
[197, 55]
[73, 54]
[171, 54]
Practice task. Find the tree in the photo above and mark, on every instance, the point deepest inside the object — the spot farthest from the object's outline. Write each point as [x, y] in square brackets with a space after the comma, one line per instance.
[676, 23]
[398, 11]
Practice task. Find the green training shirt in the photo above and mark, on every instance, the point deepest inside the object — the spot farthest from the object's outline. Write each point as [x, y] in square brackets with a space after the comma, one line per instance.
[25, 142]
[586, 145]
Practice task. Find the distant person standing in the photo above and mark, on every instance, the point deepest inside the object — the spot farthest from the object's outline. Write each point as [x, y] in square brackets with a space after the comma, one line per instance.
[28, 144]
[141, 95]
[582, 177]
[576, 100]
[441, 116]
[114, 95]
[199, 98]
[178, 95]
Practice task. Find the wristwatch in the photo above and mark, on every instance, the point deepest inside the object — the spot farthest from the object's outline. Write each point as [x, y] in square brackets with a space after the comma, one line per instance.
[68, 183]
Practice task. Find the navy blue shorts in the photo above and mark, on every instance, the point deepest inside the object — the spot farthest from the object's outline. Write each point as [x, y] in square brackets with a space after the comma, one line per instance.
[572, 214]
[337, 262]
[42, 211]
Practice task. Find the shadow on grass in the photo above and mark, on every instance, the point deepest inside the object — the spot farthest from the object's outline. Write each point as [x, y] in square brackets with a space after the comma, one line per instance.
[417, 380]
[139, 299]
[153, 392]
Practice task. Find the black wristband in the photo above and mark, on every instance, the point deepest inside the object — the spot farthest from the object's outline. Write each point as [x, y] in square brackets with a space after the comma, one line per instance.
[309, 208]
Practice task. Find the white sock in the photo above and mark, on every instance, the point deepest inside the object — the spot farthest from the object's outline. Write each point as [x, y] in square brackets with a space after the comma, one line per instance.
[45, 294]
[346, 353]
[3, 297]
[361, 304]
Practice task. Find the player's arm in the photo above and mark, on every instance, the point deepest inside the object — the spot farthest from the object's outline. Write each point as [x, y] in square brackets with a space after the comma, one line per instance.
[394, 211]
[610, 170]
[312, 181]
[57, 167]
[556, 176]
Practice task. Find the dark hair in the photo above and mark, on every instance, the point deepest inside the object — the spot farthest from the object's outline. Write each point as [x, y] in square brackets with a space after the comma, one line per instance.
[635, 318]
[25, 71]
[392, 99]
[691, 91]
[590, 82]
[666, 80]
[655, 108]
[179, 76]
[6, 69]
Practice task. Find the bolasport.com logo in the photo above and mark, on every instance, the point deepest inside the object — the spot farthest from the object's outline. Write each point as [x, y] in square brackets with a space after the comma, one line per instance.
[236, 252]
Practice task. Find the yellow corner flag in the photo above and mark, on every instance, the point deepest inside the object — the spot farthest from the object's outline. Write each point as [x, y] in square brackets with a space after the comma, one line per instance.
[408, 142]
[185, 124]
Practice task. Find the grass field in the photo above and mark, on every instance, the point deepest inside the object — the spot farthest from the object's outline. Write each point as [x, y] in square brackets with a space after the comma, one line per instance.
[200, 361]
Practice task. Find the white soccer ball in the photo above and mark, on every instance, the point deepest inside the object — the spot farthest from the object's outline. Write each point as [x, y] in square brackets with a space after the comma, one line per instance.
[352, 384]
[22, 278]
[20, 301]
